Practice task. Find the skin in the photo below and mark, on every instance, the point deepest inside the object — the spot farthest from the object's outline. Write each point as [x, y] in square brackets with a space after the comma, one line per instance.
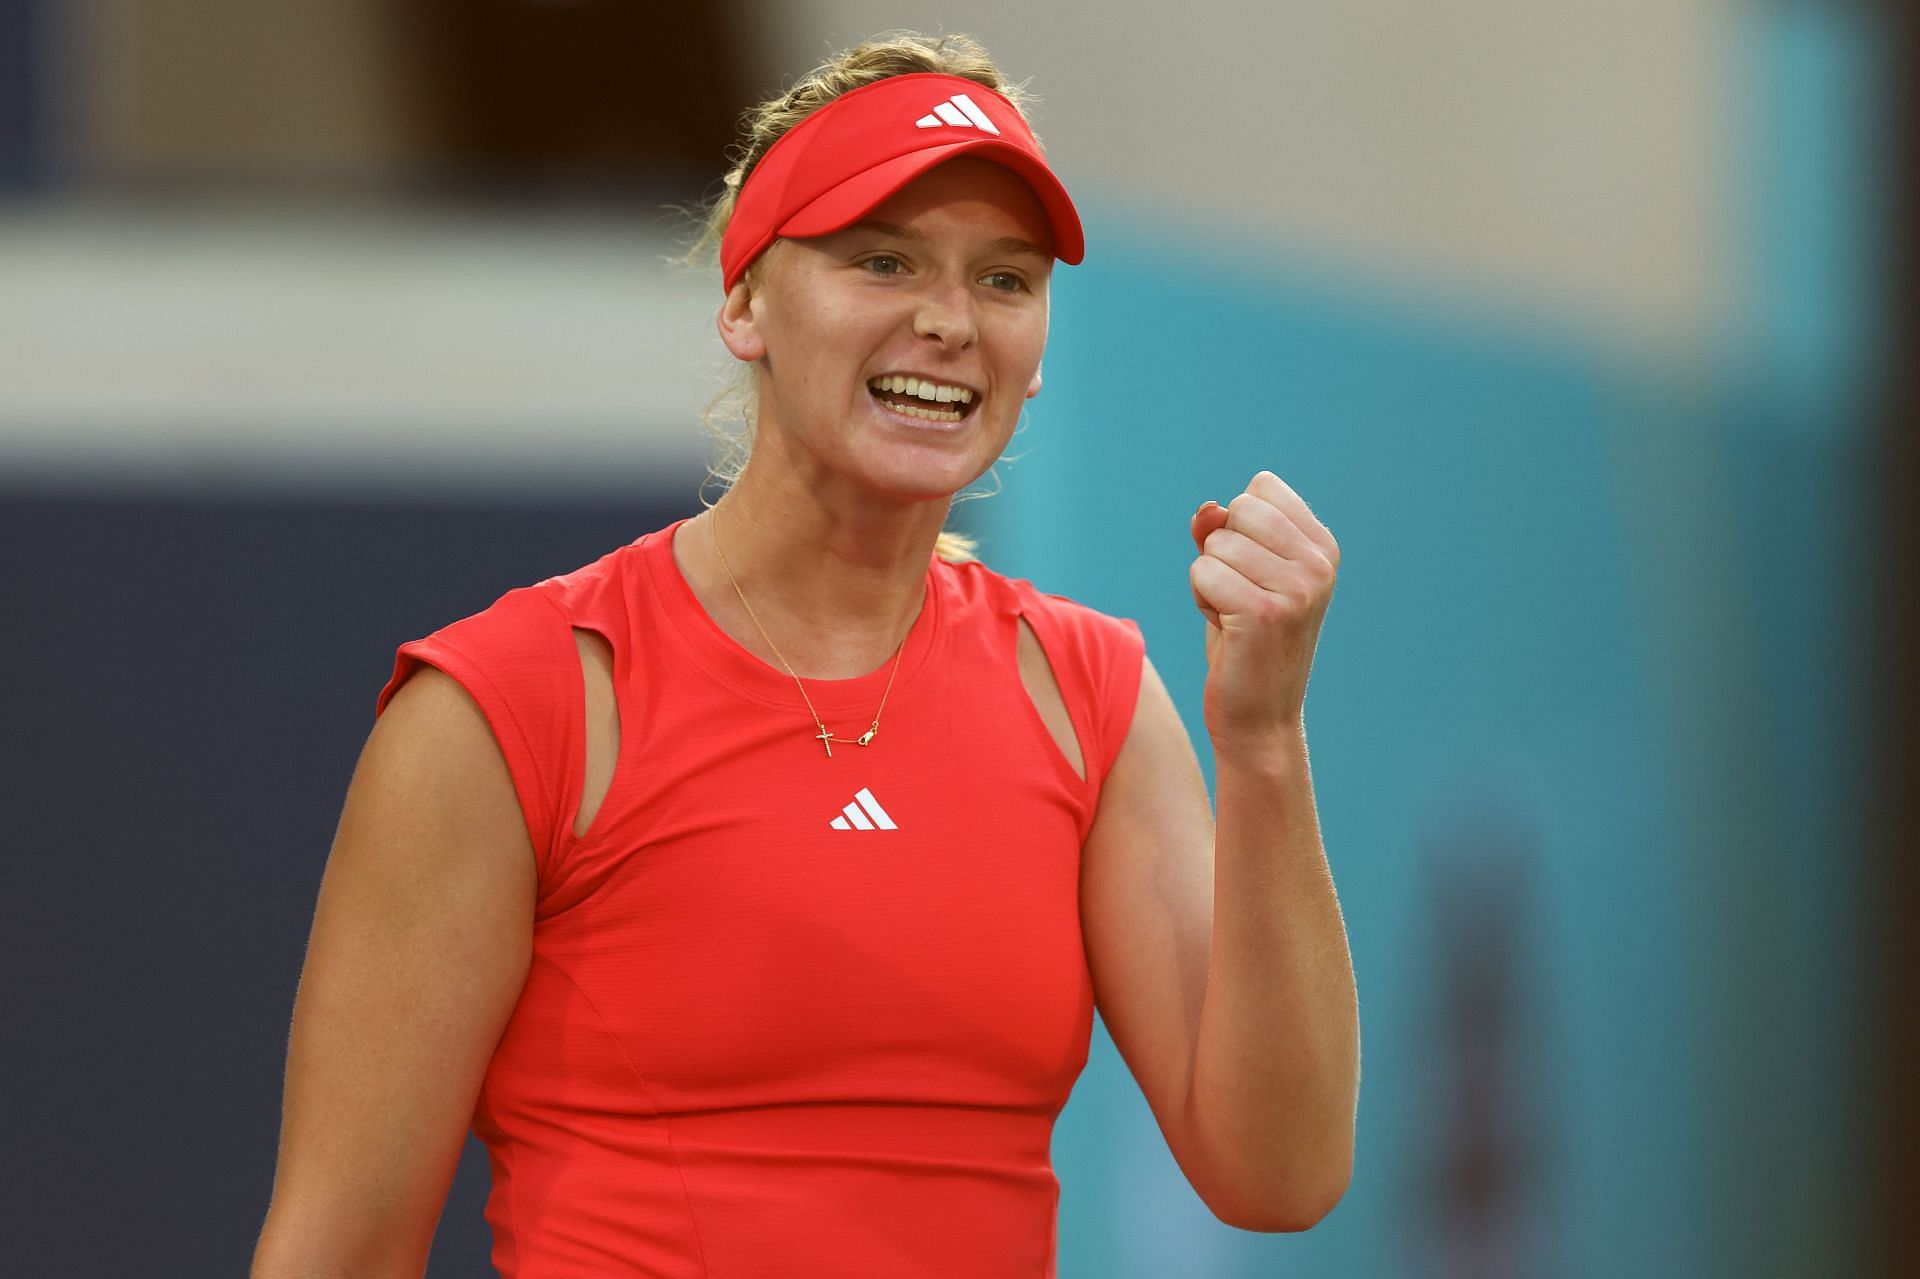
[830, 528]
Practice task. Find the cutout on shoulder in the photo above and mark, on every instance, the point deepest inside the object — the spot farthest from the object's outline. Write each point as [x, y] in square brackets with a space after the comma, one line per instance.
[603, 725]
[1036, 672]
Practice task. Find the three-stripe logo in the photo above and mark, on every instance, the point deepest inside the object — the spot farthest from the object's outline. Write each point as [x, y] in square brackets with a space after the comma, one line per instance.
[959, 112]
[864, 813]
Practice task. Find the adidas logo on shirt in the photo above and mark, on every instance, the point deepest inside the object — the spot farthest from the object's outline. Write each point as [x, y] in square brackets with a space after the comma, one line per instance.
[864, 813]
[958, 111]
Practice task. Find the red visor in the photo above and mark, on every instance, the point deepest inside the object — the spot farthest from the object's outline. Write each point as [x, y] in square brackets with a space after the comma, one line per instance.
[832, 168]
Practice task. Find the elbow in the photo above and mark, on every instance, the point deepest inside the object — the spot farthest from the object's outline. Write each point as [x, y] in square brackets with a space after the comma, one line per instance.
[1289, 1209]
[314, 1250]
[1286, 1185]
[316, 1264]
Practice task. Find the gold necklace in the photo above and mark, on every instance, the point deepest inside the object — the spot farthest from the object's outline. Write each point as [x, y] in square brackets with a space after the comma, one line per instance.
[826, 738]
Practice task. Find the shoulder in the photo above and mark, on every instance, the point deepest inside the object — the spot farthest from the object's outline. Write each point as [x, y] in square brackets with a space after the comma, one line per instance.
[1097, 657]
[523, 628]
[514, 614]
[582, 589]
[1105, 639]
[435, 738]
[1064, 611]
[522, 634]
[517, 663]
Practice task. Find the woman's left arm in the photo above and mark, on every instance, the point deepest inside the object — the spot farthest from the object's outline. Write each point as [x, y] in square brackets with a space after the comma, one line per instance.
[1276, 1065]
[1219, 958]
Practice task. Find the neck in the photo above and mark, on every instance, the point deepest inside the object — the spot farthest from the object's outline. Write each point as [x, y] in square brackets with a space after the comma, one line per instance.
[836, 587]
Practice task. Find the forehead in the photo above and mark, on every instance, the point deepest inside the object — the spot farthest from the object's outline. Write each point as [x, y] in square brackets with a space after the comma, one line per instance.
[969, 194]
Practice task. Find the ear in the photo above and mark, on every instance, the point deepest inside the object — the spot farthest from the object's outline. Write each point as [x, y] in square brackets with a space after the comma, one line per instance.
[1033, 387]
[736, 324]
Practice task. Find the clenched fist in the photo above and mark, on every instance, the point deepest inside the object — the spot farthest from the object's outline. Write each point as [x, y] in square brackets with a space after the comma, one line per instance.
[1263, 580]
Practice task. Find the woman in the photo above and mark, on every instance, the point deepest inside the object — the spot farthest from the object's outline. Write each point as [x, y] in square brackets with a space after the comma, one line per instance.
[750, 890]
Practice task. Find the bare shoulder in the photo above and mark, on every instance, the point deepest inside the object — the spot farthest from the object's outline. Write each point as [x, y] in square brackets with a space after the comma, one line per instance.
[431, 823]
[433, 729]
[1156, 773]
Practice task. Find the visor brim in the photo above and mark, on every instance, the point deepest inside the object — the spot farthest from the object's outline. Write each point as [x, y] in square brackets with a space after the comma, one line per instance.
[860, 194]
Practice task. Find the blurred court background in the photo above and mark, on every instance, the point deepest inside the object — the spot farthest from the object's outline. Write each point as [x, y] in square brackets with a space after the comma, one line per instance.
[1578, 322]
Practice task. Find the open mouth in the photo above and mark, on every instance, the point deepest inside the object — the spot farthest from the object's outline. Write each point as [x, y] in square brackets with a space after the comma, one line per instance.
[921, 398]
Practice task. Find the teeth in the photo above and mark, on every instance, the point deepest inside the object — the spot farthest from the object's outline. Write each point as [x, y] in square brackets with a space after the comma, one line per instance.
[931, 415]
[932, 392]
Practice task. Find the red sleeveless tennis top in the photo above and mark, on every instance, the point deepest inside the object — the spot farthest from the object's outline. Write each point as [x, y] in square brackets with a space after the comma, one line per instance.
[789, 1014]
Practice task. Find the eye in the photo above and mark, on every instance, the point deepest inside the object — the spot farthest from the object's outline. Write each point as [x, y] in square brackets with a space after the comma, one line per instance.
[884, 264]
[1005, 281]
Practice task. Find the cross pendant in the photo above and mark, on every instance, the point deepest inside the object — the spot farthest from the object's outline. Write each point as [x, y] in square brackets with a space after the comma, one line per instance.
[826, 740]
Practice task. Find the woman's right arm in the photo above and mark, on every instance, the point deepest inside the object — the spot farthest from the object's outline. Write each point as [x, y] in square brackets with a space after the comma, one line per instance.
[421, 942]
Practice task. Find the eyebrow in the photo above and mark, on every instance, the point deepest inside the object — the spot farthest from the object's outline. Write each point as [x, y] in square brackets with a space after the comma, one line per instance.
[1005, 244]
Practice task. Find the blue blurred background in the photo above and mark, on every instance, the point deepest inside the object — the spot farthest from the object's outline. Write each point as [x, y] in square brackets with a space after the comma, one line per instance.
[1576, 323]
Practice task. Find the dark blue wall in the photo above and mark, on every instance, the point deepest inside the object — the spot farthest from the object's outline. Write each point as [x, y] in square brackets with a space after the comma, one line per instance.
[187, 685]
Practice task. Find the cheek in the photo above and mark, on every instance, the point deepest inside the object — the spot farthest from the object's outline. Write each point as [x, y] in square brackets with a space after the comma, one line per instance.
[1030, 343]
[829, 336]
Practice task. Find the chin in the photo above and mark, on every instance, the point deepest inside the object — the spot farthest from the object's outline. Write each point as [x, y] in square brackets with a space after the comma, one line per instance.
[926, 482]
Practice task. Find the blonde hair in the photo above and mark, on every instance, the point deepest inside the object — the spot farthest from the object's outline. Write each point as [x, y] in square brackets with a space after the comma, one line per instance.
[889, 54]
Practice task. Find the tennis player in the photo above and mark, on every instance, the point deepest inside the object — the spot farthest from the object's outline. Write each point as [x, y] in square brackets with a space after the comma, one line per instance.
[750, 891]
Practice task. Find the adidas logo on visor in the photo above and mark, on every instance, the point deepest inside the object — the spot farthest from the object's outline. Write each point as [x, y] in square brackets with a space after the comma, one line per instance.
[864, 813]
[958, 111]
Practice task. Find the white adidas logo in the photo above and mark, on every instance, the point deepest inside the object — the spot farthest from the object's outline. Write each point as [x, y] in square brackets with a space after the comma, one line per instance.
[958, 111]
[855, 815]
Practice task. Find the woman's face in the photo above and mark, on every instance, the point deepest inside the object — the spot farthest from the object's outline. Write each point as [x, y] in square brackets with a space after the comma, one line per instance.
[898, 352]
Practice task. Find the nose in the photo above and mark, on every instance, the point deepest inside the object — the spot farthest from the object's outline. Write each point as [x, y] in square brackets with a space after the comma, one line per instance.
[946, 314]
